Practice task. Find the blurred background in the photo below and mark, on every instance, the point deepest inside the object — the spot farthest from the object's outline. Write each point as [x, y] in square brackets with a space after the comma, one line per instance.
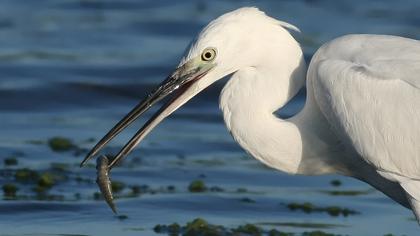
[70, 69]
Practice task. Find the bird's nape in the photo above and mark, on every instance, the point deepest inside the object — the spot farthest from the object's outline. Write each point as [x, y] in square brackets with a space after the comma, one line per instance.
[181, 81]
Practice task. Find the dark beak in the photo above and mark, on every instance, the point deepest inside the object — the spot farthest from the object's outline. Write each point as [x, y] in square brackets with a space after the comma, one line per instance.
[180, 81]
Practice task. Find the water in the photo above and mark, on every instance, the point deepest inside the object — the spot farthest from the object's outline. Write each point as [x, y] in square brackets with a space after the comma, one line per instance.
[73, 68]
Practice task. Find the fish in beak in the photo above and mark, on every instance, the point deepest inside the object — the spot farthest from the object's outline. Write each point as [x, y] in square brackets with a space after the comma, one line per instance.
[180, 82]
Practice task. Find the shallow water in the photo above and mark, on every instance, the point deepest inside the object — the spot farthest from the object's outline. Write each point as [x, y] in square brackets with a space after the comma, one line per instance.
[73, 68]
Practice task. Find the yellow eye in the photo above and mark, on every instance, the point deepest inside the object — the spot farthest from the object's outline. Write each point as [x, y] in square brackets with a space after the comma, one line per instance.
[208, 54]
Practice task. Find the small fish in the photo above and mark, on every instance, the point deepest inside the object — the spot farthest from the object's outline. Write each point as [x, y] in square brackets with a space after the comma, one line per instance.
[103, 181]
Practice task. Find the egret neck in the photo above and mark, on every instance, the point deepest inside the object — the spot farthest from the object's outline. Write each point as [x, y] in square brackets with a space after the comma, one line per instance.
[249, 102]
[251, 97]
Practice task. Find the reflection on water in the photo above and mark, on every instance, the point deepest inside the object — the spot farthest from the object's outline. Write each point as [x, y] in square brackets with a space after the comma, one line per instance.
[73, 68]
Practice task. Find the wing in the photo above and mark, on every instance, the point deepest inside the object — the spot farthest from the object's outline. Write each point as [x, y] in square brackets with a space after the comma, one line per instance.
[368, 88]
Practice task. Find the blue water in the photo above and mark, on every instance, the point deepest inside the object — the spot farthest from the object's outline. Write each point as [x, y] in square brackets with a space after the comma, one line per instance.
[73, 68]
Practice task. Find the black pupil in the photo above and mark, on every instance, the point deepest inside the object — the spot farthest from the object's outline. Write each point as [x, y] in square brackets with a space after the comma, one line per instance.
[207, 55]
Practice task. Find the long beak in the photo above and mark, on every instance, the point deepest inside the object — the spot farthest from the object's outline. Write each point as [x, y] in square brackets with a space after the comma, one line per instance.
[180, 80]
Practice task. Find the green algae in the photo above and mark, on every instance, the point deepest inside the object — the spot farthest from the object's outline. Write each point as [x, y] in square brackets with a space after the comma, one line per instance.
[46, 180]
[136, 190]
[117, 186]
[60, 144]
[197, 227]
[197, 186]
[39, 182]
[305, 207]
[57, 166]
[97, 196]
[25, 175]
[9, 190]
[10, 161]
[174, 229]
[331, 210]
[348, 192]
[247, 200]
[275, 232]
[200, 227]
[302, 225]
[317, 233]
[216, 189]
[335, 183]
[159, 228]
[248, 229]
[241, 190]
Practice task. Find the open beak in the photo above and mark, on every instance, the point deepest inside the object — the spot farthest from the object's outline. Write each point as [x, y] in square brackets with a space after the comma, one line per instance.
[181, 81]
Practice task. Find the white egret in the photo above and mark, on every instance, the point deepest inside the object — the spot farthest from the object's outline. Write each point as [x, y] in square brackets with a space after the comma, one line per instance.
[362, 112]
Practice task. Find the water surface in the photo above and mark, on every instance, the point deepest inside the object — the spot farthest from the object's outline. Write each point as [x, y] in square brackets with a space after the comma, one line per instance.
[73, 68]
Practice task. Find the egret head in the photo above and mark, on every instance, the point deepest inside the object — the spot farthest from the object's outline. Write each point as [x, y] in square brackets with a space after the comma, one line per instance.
[235, 40]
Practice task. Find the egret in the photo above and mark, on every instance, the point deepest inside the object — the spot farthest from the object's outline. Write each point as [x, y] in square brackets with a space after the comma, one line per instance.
[361, 117]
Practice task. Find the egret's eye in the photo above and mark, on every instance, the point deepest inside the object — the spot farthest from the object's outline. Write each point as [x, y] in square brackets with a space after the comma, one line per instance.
[208, 54]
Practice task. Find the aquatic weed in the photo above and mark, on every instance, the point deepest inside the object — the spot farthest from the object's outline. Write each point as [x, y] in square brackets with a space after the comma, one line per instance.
[57, 166]
[117, 186]
[159, 228]
[248, 229]
[305, 207]
[200, 227]
[275, 232]
[44, 183]
[247, 200]
[60, 144]
[135, 190]
[10, 161]
[197, 227]
[9, 190]
[97, 196]
[174, 229]
[26, 175]
[302, 225]
[317, 233]
[197, 186]
[216, 189]
[46, 180]
[241, 190]
[348, 192]
[331, 210]
[335, 182]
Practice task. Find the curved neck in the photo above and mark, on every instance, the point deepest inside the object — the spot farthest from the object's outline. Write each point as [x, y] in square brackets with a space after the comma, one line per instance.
[303, 144]
[248, 101]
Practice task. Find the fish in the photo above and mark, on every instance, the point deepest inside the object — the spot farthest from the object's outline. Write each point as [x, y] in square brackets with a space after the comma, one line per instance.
[104, 182]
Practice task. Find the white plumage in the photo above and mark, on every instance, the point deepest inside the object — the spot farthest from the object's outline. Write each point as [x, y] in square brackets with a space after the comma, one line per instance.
[361, 117]
[362, 112]
[370, 94]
